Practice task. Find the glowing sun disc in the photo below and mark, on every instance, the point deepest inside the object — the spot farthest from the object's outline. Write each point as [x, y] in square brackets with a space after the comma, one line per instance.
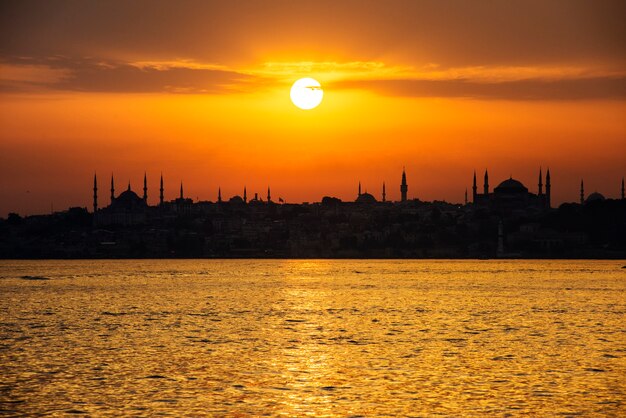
[306, 93]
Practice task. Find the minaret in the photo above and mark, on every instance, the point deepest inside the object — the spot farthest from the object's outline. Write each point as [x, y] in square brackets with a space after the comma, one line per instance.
[582, 192]
[540, 186]
[245, 195]
[219, 195]
[95, 193]
[622, 188]
[404, 188]
[269, 197]
[466, 196]
[474, 189]
[384, 194]
[112, 190]
[145, 188]
[548, 204]
[161, 191]
[359, 190]
[181, 190]
[486, 184]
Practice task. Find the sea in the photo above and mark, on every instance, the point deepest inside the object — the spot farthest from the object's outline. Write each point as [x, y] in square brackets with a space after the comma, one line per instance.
[295, 338]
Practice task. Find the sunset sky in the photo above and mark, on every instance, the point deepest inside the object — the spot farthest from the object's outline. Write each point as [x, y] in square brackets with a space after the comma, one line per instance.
[200, 92]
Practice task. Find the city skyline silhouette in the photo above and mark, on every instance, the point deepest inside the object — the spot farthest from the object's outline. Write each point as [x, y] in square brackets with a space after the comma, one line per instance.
[203, 95]
[312, 208]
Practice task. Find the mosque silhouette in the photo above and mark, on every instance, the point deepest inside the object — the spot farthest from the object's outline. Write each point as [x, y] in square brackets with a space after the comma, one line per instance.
[510, 195]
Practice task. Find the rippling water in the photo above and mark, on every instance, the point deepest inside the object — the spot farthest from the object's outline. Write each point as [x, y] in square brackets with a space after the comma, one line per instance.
[294, 337]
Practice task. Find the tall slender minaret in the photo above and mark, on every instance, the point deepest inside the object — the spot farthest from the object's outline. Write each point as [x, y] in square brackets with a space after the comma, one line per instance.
[466, 196]
[95, 193]
[486, 184]
[540, 186]
[359, 190]
[548, 204]
[622, 188]
[161, 191]
[404, 188]
[145, 188]
[112, 190]
[269, 196]
[245, 195]
[474, 189]
[582, 192]
[219, 195]
[181, 190]
[384, 193]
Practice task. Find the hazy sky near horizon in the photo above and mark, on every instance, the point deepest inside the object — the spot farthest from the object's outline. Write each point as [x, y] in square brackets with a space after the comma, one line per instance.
[199, 91]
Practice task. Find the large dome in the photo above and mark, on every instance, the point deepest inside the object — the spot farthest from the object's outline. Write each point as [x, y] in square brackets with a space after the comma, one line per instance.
[365, 198]
[128, 196]
[511, 186]
[128, 200]
[594, 197]
[236, 200]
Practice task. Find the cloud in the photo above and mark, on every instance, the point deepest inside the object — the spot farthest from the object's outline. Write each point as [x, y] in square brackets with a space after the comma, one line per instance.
[588, 88]
[451, 32]
[94, 75]
[89, 74]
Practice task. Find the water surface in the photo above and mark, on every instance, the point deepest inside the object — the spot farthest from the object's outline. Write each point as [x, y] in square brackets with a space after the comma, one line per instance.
[313, 337]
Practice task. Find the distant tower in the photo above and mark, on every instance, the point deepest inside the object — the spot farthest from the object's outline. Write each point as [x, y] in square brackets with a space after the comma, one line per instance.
[548, 204]
[404, 188]
[181, 190]
[466, 196]
[161, 191]
[384, 193]
[269, 196]
[245, 195]
[219, 195]
[145, 188]
[582, 192]
[95, 193]
[112, 190]
[474, 189]
[622, 188]
[359, 190]
[541, 184]
[486, 184]
[129, 185]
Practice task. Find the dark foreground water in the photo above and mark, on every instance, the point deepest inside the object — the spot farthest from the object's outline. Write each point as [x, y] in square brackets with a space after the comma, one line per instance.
[293, 338]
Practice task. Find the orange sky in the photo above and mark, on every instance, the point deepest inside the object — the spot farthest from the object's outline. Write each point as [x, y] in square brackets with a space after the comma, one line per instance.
[200, 92]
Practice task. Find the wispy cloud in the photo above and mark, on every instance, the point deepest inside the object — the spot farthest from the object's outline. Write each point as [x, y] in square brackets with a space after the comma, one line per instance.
[87, 74]
[184, 76]
[509, 83]
[588, 88]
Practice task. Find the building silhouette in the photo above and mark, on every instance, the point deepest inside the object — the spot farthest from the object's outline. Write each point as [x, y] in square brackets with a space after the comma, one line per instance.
[596, 196]
[508, 197]
[511, 194]
[404, 188]
[506, 221]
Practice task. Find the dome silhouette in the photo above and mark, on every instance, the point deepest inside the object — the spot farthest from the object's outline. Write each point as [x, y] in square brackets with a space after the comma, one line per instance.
[236, 200]
[128, 201]
[511, 186]
[365, 198]
[595, 197]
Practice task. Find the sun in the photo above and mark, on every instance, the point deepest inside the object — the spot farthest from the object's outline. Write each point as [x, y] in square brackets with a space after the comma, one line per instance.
[306, 93]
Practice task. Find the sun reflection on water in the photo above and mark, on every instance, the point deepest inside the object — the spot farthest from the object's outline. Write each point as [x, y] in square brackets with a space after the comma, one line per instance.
[313, 337]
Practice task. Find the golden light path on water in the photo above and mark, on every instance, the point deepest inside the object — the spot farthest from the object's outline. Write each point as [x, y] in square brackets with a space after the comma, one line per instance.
[312, 337]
